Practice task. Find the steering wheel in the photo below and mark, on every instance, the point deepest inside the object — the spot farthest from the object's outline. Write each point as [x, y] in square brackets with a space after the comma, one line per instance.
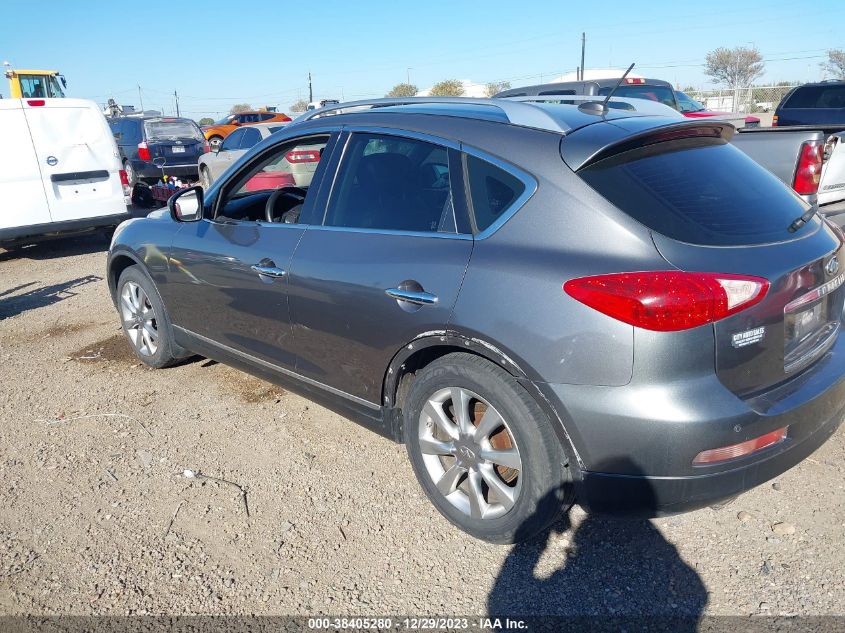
[294, 193]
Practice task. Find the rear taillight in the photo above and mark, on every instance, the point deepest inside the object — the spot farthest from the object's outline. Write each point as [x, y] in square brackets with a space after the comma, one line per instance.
[143, 151]
[809, 171]
[740, 450]
[668, 301]
[303, 156]
[634, 80]
[775, 120]
[124, 180]
[35, 102]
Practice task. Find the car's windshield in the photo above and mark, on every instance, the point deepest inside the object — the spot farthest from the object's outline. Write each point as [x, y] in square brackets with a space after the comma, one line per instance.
[224, 121]
[172, 129]
[687, 103]
[661, 94]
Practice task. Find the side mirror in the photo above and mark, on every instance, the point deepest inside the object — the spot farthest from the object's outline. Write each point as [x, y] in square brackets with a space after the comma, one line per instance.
[186, 205]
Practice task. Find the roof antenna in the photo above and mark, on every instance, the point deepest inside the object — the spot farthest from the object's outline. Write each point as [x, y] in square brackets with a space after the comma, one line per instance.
[594, 107]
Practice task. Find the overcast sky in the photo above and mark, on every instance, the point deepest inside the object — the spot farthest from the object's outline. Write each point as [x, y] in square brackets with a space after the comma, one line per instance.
[220, 53]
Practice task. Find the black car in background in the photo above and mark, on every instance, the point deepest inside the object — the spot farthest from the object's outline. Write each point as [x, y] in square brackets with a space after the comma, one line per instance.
[152, 146]
[820, 103]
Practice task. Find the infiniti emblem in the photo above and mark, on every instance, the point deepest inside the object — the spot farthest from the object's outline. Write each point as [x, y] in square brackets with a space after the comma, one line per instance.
[465, 452]
[832, 265]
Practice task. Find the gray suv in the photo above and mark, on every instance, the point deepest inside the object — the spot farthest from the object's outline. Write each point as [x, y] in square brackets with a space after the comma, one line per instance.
[544, 302]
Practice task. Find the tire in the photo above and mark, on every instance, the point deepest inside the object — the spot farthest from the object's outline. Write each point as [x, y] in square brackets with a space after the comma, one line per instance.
[215, 142]
[155, 348]
[535, 482]
[131, 176]
[205, 178]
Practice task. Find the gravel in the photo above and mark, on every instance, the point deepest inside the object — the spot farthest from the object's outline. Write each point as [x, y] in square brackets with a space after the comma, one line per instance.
[101, 516]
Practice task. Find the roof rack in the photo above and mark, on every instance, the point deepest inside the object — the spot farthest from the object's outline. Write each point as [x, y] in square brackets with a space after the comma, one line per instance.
[522, 111]
[523, 114]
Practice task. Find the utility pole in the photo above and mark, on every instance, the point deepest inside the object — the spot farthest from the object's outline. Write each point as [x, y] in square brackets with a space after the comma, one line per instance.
[310, 90]
[409, 76]
[140, 98]
[583, 45]
[176, 95]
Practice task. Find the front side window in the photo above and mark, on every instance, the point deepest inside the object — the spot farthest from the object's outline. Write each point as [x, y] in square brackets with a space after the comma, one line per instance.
[251, 137]
[492, 191]
[255, 195]
[233, 141]
[392, 183]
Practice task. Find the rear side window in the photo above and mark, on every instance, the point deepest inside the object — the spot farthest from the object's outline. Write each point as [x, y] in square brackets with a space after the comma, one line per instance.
[698, 192]
[492, 191]
[162, 130]
[817, 97]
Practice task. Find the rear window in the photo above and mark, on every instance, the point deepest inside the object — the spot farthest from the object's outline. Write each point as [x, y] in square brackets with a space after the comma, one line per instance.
[817, 97]
[698, 192]
[661, 94]
[168, 130]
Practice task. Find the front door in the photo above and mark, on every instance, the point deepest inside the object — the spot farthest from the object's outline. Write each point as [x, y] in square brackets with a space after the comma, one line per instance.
[228, 273]
[385, 265]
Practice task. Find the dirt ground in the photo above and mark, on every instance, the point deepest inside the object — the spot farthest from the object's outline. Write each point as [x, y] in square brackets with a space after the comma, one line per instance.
[97, 515]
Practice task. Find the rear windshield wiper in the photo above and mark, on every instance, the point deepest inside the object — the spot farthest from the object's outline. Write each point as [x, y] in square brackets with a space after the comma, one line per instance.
[801, 220]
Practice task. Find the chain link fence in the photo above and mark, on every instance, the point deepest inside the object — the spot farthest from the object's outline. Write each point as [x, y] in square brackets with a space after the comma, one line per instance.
[754, 99]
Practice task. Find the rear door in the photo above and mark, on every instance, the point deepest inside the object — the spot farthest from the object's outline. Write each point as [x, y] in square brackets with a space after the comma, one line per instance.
[77, 156]
[21, 185]
[385, 265]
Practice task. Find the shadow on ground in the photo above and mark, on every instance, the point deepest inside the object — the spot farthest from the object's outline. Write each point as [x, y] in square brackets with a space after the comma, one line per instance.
[610, 574]
[22, 298]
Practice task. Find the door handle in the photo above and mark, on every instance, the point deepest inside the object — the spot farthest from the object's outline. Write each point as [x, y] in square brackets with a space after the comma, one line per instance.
[268, 271]
[420, 298]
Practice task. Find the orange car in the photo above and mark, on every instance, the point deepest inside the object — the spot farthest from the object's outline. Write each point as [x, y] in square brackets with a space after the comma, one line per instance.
[217, 131]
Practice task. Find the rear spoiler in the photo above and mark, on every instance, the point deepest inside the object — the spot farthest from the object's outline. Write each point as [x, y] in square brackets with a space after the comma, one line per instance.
[597, 142]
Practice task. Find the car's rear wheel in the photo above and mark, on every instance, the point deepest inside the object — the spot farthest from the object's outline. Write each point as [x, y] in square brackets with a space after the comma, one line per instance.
[205, 178]
[144, 320]
[483, 450]
[215, 142]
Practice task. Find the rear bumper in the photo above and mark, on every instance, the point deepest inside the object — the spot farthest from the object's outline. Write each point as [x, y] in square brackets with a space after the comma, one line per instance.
[65, 226]
[636, 443]
[656, 496]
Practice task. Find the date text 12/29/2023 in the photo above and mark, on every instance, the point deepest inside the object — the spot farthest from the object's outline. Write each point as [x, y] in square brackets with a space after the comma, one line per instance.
[416, 624]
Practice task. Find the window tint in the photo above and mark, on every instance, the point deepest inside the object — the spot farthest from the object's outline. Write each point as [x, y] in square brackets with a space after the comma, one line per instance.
[248, 118]
[233, 141]
[698, 192]
[131, 131]
[250, 137]
[392, 183]
[817, 97]
[557, 92]
[267, 116]
[492, 191]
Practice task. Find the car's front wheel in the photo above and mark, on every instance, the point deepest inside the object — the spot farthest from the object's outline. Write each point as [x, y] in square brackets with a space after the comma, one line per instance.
[483, 450]
[215, 142]
[144, 320]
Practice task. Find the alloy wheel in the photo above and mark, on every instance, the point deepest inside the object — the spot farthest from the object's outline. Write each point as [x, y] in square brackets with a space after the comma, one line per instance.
[470, 453]
[139, 319]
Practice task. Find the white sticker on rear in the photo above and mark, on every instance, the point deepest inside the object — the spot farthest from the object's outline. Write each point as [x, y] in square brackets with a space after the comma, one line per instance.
[749, 337]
